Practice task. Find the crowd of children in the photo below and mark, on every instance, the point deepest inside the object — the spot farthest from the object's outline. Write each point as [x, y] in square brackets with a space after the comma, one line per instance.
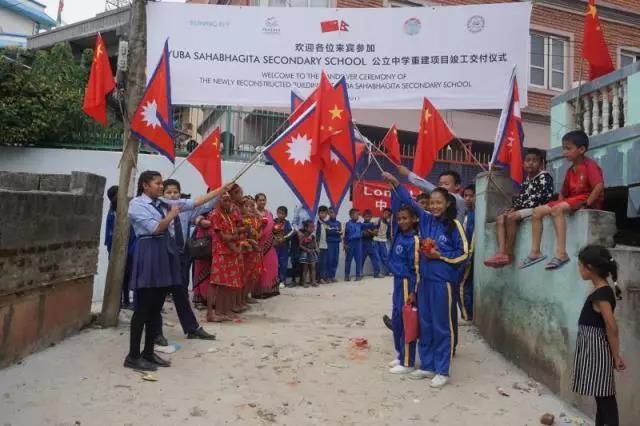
[427, 244]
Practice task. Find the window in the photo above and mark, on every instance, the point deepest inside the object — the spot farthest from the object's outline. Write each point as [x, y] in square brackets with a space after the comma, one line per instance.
[628, 57]
[548, 62]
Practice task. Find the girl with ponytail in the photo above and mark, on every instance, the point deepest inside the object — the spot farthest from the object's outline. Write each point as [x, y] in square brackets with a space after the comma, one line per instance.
[598, 344]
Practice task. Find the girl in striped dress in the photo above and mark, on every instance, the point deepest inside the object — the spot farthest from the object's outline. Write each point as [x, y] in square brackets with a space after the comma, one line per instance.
[598, 345]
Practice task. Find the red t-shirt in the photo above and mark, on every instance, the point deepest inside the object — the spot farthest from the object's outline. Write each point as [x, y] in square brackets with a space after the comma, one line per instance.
[581, 180]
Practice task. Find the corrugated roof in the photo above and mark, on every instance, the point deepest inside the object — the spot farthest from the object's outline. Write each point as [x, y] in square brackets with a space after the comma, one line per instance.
[28, 11]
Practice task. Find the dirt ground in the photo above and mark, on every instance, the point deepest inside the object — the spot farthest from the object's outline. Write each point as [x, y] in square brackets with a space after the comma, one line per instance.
[291, 361]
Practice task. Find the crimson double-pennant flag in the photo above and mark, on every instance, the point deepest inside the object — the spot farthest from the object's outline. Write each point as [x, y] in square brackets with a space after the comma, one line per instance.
[291, 156]
[152, 121]
[434, 134]
[594, 46]
[100, 84]
[509, 144]
[206, 159]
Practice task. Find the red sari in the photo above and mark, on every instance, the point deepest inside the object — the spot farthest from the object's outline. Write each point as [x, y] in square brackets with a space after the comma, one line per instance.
[226, 264]
[253, 257]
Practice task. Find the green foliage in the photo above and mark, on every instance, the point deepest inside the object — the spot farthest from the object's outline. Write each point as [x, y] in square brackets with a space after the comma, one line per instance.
[41, 97]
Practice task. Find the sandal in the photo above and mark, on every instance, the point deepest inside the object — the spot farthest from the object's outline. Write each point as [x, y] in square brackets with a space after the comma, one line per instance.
[528, 261]
[556, 263]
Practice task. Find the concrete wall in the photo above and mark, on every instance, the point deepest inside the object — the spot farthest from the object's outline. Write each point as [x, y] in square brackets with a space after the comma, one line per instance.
[49, 237]
[531, 315]
[260, 178]
[11, 22]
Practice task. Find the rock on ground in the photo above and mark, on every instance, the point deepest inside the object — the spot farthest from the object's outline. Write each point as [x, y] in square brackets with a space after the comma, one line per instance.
[291, 362]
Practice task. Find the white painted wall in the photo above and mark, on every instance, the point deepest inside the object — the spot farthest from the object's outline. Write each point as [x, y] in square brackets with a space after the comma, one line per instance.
[260, 178]
[11, 22]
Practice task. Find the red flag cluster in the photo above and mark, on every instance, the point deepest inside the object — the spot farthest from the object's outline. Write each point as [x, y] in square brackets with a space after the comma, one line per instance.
[318, 146]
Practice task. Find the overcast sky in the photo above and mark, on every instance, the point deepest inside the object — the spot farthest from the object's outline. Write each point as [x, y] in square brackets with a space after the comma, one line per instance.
[75, 10]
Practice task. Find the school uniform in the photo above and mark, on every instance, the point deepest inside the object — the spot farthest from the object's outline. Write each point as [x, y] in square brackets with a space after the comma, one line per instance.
[369, 249]
[403, 263]
[334, 236]
[323, 250]
[300, 215]
[465, 291]
[156, 267]
[283, 232]
[108, 241]
[380, 242]
[353, 241]
[180, 230]
[437, 278]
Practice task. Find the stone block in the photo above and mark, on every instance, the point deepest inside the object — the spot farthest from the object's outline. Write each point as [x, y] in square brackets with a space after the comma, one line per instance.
[23, 329]
[67, 308]
[54, 183]
[87, 184]
[19, 181]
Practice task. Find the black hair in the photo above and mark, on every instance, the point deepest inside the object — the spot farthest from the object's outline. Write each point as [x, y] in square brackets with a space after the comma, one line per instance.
[367, 212]
[354, 210]
[423, 195]
[306, 223]
[112, 196]
[598, 259]
[412, 213]
[455, 175]
[283, 209]
[470, 187]
[323, 209]
[451, 211]
[172, 182]
[578, 138]
[260, 194]
[146, 177]
[535, 151]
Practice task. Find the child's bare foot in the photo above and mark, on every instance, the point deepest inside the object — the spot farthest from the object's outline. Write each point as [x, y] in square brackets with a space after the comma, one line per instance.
[217, 318]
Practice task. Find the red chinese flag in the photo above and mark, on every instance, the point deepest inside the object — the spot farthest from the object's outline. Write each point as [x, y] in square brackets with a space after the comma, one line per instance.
[152, 121]
[508, 147]
[434, 135]
[337, 177]
[206, 159]
[101, 83]
[594, 46]
[336, 123]
[290, 154]
[392, 145]
[329, 26]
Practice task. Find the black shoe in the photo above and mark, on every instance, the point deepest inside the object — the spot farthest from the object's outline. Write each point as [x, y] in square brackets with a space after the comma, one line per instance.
[139, 364]
[156, 360]
[347, 279]
[358, 278]
[161, 341]
[201, 334]
[387, 321]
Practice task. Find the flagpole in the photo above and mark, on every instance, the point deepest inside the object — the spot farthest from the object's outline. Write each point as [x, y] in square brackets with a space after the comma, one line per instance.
[578, 103]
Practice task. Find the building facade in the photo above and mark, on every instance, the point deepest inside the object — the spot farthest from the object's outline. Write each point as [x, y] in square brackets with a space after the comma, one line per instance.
[20, 20]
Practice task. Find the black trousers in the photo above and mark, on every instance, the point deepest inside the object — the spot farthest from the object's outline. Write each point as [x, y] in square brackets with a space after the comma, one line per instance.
[607, 411]
[149, 303]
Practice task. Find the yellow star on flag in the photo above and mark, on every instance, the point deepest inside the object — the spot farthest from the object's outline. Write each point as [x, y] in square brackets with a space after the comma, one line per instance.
[592, 10]
[98, 52]
[427, 115]
[336, 112]
[215, 143]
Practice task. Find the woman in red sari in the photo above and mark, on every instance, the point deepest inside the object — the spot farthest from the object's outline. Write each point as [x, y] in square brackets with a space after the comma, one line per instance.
[268, 285]
[226, 264]
[202, 267]
[251, 250]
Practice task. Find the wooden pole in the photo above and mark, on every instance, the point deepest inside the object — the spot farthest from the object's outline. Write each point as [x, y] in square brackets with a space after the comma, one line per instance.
[135, 83]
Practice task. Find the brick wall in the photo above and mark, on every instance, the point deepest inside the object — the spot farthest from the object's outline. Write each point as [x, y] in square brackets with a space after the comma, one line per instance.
[49, 238]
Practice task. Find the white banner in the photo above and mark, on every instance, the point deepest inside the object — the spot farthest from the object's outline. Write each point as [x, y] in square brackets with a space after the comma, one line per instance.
[460, 57]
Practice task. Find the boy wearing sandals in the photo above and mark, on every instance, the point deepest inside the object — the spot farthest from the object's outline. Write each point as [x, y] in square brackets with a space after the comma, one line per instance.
[536, 190]
[583, 187]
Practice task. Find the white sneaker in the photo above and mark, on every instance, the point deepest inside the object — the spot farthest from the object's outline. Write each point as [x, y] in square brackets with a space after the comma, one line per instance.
[400, 369]
[394, 363]
[422, 374]
[439, 381]
[282, 286]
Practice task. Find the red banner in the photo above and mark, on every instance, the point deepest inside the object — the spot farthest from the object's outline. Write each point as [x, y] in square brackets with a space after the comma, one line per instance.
[375, 196]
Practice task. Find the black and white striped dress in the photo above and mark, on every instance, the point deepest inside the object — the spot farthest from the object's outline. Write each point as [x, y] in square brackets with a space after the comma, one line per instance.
[593, 362]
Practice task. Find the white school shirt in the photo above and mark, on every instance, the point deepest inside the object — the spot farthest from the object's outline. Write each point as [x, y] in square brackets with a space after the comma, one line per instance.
[382, 231]
[322, 242]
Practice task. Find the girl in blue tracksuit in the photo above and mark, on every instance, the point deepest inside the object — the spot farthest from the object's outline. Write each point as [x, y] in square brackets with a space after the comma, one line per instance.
[353, 245]
[403, 262]
[439, 271]
[334, 236]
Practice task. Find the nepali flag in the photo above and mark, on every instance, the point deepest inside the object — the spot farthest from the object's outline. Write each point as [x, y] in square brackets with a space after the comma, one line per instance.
[296, 100]
[337, 177]
[509, 144]
[152, 121]
[290, 154]
[206, 159]
[392, 145]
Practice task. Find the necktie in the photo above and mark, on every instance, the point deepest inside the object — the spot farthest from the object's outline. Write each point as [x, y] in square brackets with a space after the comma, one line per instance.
[177, 229]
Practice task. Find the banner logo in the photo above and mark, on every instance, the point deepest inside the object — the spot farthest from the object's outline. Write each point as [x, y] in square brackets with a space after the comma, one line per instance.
[412, 26]
[334, 25]
[271, 26]
[475, 24]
